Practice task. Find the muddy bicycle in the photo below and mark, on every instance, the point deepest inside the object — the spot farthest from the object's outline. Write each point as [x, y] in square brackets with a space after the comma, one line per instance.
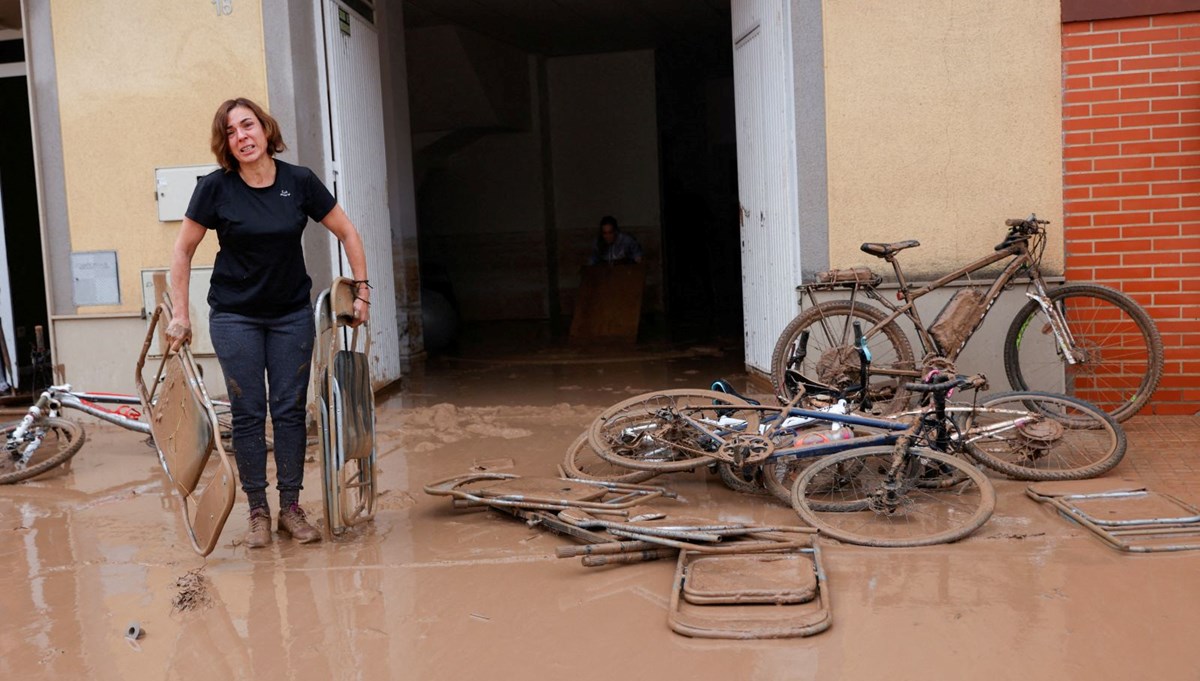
[1084, 340]
[44, 439]
[909, 469]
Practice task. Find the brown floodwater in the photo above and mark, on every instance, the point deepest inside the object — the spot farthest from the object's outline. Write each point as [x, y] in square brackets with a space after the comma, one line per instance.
[425, 592]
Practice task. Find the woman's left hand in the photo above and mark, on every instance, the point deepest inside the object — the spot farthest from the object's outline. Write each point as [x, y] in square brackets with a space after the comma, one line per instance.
[362, 312]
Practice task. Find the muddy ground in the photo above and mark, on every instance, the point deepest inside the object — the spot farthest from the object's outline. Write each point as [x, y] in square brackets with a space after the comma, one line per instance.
[425, 593]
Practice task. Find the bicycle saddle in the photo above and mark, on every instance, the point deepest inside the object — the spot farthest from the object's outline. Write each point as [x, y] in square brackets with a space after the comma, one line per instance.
[722, 386]
[886, 250]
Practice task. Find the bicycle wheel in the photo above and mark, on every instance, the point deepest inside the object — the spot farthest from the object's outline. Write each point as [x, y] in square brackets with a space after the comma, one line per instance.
[56, 441]
[670, 430]
[909, 509]
[1041, 436]
[582, 462]
[831, 358]
[780, 475]
[1122, 351]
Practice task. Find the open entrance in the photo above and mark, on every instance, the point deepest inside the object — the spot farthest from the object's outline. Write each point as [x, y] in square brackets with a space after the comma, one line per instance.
[22, 281]
[532, 121]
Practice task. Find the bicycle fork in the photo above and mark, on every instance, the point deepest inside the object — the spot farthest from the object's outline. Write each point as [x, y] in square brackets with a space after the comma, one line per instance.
[18, 436]
[888, 496]
[1058, 325]
[44, 405]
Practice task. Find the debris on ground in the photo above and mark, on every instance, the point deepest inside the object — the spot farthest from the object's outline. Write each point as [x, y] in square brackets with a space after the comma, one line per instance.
[192, 591]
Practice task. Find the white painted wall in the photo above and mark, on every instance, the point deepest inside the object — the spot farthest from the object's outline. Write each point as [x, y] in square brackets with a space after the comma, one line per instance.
[767, 173]
[360, 174]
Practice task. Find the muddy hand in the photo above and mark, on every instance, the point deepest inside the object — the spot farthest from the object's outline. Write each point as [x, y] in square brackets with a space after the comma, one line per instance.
[362, 312]
[179, 331]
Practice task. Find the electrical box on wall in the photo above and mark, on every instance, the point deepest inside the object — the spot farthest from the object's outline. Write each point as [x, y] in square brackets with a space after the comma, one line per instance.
[173, 188]
[94, 278]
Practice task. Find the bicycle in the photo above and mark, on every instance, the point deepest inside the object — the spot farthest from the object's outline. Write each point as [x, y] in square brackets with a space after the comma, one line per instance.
[1099, 340]
[1029, 435]
[43, 439]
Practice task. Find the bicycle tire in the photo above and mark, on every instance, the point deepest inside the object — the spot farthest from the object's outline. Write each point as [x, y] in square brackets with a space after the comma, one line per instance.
[832, 359]
[646, 432]
[1119, 379]
[964, 506]
[68, 439]
[581, 461]
[781, 474]
[1068, 439]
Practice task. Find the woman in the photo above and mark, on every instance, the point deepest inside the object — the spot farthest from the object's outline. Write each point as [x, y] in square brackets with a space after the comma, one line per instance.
[261, 317]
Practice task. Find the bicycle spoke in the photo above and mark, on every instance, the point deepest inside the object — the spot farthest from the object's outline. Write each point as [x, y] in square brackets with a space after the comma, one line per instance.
[887, 509]
[1042, 436]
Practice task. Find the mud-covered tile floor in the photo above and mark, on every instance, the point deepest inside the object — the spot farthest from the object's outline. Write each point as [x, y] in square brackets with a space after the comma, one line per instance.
[424, 592]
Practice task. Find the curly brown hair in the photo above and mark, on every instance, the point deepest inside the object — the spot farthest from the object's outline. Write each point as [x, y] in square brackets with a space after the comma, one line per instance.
[220, 138]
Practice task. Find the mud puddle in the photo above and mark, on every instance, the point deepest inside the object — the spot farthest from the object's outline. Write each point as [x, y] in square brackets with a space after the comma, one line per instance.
[424, 592]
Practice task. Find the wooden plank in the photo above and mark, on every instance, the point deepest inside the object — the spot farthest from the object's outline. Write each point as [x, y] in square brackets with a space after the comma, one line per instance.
[608, 304]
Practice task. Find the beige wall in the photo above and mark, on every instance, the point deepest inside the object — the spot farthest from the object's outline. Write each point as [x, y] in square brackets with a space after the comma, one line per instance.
[943, 119]
[83, 366]
[138, 82]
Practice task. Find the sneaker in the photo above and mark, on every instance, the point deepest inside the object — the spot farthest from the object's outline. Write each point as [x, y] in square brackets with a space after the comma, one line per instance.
[259, 533]
[293, 523]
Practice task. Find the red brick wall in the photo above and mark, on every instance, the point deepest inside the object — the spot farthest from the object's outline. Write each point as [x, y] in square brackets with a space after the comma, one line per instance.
[1131, 164]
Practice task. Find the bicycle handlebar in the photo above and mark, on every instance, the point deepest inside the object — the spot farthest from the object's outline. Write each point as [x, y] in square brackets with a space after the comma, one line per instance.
[946, 384]
[1027, 225]
[1020, 229]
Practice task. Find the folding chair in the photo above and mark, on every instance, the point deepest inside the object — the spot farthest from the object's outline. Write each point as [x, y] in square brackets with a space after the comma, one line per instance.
[185, 432]
[750, 596]
[345, 406]
[1128, 518]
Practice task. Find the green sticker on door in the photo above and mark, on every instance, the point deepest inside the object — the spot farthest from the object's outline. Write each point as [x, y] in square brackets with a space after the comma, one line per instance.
[344, 21]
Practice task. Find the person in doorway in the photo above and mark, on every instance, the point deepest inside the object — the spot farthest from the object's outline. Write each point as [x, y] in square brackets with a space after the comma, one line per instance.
[261, 319]
[614, 246]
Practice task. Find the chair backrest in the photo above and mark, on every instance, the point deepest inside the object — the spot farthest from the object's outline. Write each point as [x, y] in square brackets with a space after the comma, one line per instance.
[355, 403]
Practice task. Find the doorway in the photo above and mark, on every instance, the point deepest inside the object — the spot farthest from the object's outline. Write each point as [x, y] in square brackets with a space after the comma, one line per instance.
[24, 286]
[530, 124]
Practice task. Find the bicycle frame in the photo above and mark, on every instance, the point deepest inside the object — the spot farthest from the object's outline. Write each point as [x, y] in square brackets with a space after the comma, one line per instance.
[910, 425]
[57, 397]
[1023, 260]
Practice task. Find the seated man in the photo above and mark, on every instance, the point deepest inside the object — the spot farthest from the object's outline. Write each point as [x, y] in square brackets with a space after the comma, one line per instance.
[614, 246]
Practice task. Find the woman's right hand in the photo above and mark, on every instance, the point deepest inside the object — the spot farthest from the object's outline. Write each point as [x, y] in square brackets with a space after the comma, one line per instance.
[179, 331]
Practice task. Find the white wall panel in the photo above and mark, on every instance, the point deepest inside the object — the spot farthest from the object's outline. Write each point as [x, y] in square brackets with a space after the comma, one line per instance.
[763, 94]
[360, 172]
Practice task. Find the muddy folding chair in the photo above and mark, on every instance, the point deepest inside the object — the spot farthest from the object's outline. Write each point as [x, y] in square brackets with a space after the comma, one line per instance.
[750, 596]
[345, 407]
[505, 490]
[1126, 517]
[185, 432]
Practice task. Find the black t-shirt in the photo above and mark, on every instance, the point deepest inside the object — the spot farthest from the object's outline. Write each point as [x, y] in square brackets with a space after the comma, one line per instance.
[259, 271]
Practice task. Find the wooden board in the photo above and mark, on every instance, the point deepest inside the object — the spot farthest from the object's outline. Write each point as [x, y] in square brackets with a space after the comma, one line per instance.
[608, 304]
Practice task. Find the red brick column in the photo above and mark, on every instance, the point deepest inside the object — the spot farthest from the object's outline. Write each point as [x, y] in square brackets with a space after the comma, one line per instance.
[1131, 174]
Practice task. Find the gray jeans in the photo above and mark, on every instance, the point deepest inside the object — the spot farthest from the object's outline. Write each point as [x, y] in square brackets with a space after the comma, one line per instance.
[256, 354]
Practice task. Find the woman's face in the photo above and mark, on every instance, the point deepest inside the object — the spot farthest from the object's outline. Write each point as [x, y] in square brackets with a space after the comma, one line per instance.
[247, 141]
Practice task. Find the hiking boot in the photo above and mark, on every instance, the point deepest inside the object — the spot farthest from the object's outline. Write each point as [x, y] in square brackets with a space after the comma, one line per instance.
[258, 534]
[293, 523]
